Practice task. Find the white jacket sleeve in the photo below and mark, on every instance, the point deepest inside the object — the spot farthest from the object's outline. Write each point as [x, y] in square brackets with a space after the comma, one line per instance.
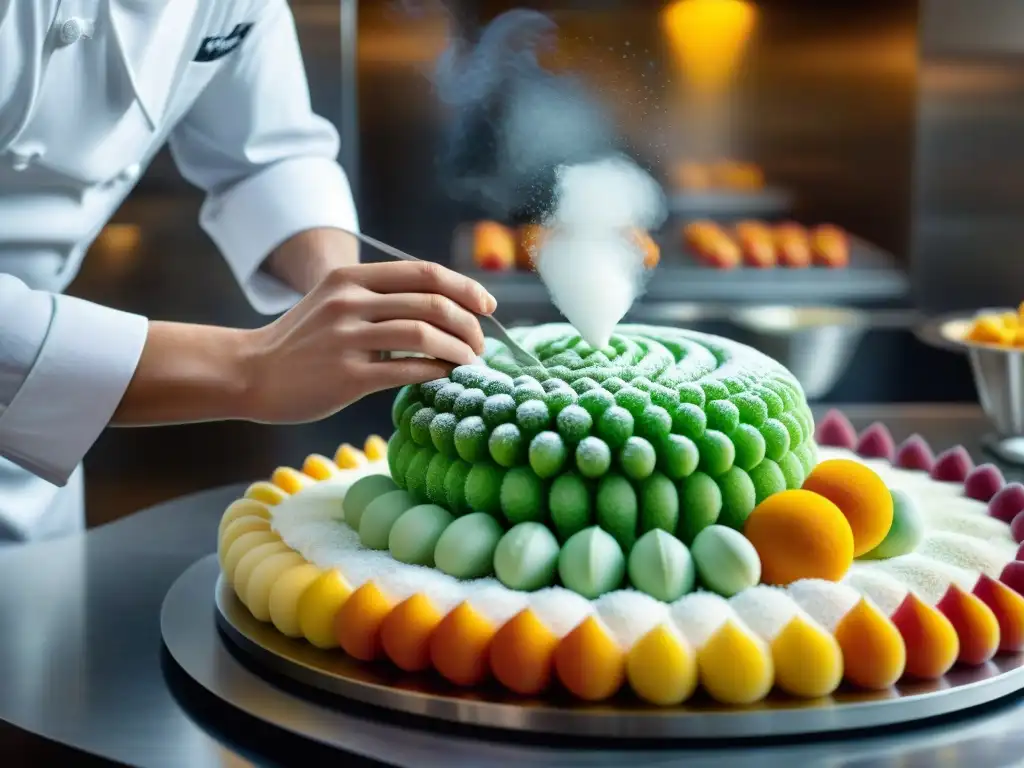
[267, 162]
[64, 367]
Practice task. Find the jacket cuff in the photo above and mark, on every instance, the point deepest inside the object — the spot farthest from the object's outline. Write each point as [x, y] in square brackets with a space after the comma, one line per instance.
[70, 395]
[252, 218]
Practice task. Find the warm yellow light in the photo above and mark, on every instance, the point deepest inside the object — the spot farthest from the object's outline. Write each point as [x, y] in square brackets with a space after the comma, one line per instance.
[708, 38]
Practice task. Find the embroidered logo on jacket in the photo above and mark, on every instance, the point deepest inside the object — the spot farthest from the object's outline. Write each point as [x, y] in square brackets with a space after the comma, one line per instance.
[214, 48]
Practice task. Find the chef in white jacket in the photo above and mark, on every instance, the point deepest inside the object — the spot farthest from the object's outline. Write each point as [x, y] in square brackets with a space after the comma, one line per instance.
[89, 92]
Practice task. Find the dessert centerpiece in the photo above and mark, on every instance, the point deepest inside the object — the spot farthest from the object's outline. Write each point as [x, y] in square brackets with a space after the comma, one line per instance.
[655, 515]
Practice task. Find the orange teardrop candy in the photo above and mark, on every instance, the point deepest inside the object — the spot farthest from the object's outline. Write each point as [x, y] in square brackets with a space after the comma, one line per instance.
[290, 480]
[375, 448]
[874, 655]
[405, 632]
[1008, 608]
[974, 623]
[522, 653]
[358, 622]
[589, 662]
[319, 467]
[460, 644]
[266, 492]
[349, 457]
[931, 641]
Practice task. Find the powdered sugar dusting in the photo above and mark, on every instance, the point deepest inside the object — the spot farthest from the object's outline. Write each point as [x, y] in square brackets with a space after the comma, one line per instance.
[699, 615]
[561, 610]
[826, 602]
[766, 610]
[630, 615]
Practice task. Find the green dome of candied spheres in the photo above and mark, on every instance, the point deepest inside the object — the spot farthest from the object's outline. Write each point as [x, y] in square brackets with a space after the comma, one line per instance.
[663, 433]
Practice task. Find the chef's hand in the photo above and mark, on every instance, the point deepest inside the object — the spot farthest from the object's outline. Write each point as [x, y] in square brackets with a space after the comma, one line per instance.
[336, 334]
[322, 355]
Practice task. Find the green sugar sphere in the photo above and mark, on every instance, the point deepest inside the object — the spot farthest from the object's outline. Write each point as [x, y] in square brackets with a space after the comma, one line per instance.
[593, 457]
[526, 557]
[618, 509]
[415, 534]
[416, 474]
[570, 505]
[905, 534]
[661, 565]
[637, 458]
[663, 429]
[591, 563]
[659, 504]
[361, 493]
[380, 514]
[738, 498]
[522, 496]
[506, 445]
[466, 548]
[471, 439]
[726, 561]
[483, 488]
[437, 472]
[547, 454]
[700, 504]
[679, 457]
[442, 433]
[768, 479]
[455, 487]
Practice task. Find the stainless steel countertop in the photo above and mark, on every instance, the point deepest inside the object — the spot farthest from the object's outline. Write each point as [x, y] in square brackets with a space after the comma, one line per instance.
[81, 662]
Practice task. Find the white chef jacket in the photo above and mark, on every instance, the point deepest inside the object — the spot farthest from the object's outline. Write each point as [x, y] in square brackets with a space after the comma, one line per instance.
[89, 91]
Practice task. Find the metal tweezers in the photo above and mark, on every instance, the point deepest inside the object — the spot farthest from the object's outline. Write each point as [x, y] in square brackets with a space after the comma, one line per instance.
[498, 330]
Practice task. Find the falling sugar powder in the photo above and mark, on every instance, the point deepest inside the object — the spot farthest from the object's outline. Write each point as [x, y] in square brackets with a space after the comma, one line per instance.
[590, 261]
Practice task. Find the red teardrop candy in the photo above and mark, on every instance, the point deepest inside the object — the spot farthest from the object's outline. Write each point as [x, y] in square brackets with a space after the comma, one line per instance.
[952, 466]
[836, 431]
[915, 453]
[984, 482]
[876, 443]
[1013, 576]
[1007, 503]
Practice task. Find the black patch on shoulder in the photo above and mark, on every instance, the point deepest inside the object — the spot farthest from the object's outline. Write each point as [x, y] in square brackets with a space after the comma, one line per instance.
[217, 47]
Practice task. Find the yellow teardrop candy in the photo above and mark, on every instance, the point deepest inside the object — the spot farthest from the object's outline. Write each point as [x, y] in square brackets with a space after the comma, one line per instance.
[319, 467]
[242, 508]
[808, 660]
[874, 655]
[262, 580]
[662, 668]
[240, 548]
[266, 492]
[357, 624]
[375, 448]
[349, 457]
[735, 666]
[319, 605]
[285, 595]
[238, 527]
[248, 564]
[290, 480]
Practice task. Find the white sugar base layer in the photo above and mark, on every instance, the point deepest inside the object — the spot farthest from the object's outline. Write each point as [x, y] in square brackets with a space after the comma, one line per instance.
[961, 541]
[590, 263]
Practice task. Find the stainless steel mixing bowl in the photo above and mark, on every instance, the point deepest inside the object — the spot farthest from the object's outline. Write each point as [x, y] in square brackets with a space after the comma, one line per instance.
[815, 343]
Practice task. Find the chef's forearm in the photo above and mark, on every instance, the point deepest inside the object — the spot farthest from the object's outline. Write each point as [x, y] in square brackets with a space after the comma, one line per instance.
[302, 261]
[188, 373]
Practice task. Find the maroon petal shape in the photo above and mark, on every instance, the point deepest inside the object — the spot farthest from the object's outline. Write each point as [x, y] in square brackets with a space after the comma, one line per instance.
[915, 453]
[876, 443]
[1013, 576]
[953, 466]
[836, 431]
[1007, 503]
[984, 482]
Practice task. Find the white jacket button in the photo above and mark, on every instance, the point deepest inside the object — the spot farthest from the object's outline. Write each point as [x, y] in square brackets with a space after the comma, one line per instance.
[73, 30]
[131, 173]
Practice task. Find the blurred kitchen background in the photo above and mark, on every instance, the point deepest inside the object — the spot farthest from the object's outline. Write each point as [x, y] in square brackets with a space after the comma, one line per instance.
[896, 121]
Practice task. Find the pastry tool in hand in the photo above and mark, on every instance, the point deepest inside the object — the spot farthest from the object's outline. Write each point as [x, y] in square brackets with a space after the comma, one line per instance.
[497, 329]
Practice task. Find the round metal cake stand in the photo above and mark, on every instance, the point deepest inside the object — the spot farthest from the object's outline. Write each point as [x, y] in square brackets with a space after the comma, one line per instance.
[281, 675]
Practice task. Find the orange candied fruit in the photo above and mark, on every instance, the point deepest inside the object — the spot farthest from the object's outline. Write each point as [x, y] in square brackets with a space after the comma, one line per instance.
[358, 622]
[861, 495]
[800, 535]
[460, 645]
[589, 662]
[405, 632]
[974, 623]
[874, 655]
[990, 329]
[523, 652]
[1008, 608]
[931, 640]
